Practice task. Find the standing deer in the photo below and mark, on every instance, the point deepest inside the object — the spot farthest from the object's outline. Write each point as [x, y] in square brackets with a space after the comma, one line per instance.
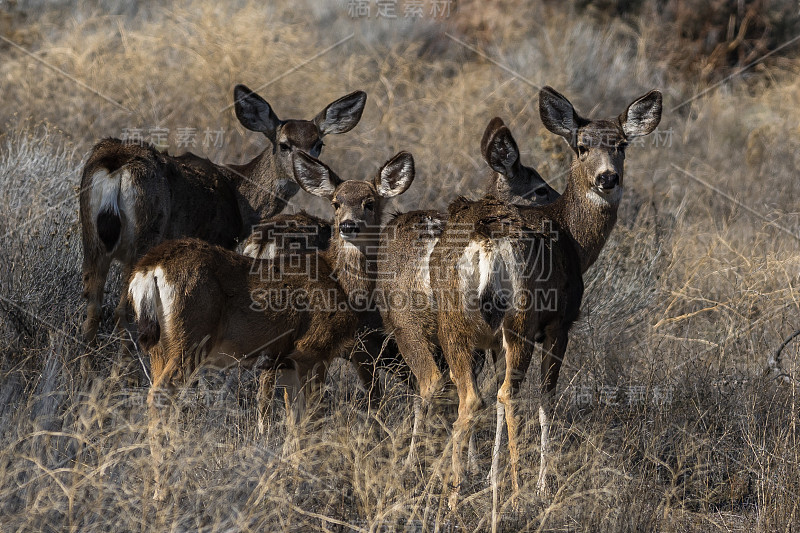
[406, 246]
[513, 278]
[198, 304]
[302, 233]
[134, 197]
[358, 212]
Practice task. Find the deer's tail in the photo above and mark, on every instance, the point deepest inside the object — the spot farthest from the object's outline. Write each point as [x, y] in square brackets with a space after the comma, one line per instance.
[145, 295]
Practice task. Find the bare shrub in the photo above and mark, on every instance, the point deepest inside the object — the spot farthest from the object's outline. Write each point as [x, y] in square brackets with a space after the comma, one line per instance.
[665, 420]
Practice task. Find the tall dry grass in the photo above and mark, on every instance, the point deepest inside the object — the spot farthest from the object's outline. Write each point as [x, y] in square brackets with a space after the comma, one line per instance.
[665, 421]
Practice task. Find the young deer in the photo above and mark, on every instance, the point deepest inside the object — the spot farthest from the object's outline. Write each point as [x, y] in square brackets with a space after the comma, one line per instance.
[200, 304]
[406, 246]
[301, 233]
[134, 197]
[358, 210]
[514, 278]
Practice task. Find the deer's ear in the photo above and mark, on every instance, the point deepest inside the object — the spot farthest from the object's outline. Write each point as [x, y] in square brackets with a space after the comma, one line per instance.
[495, 124]
[499, 148]
[558, 115]
[396, 175]
[342, 115]
[313, 175]
[642, 116]
[254, 112]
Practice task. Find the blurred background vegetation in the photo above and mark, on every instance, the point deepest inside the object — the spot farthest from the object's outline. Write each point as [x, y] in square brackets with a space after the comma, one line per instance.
[665, 420]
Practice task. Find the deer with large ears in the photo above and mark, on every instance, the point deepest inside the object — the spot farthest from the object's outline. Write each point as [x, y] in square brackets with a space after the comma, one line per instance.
[358, 208]
[404, 286]
[134, 197]
[514, 278]
[511, 180]
[197, 304]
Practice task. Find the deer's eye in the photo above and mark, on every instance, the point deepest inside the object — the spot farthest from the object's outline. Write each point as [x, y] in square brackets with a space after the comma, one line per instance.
[284, 147]
[582, 151]
[369, 205]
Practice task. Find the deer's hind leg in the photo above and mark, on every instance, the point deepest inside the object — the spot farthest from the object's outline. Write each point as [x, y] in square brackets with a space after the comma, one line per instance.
[95, 272]
[160, 400]
[418, 353]
[553, 350]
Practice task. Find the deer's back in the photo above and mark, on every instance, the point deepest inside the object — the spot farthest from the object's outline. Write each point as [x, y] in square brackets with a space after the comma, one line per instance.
[173, 197]
[242, 305]
[203, 201]
[298, 233]
[404, 282]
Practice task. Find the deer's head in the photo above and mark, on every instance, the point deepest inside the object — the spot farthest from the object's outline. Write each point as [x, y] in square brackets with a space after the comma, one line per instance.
[358, 205]
[513, 181]
[599, 145]
[290, 136]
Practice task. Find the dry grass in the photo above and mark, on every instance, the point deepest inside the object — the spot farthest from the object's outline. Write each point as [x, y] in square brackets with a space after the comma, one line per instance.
[689, 298]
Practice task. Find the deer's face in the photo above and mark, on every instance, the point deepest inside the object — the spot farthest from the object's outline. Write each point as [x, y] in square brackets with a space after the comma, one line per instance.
[291, 136]
[600, 159]
[531, 186]
[357, 209]
[599, 145]
[357, 205]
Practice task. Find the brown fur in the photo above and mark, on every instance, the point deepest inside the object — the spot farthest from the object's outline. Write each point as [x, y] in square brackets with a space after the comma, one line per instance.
[218, 304]
[406, 243]
[570, 232]
[153, 197]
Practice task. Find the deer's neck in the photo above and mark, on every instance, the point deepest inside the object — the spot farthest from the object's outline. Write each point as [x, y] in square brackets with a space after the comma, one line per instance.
[587, 217]
[261, 189]
[352, 268]
[506, 189]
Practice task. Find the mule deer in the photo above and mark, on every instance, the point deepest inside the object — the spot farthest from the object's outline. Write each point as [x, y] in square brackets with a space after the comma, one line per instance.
[134, 197]
[406, 245]
[293, 233]
[485, 279]
[358, 211]
[198, 304]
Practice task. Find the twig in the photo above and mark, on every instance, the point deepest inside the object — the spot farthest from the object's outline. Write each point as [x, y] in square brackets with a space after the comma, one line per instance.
[774, 369]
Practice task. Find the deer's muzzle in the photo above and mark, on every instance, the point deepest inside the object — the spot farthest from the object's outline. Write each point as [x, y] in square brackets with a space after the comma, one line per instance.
[607, 180]
[349, 228]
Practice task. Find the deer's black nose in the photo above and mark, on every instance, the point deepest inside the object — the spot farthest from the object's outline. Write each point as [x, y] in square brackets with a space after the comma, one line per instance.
[607, 180]
[542, 192]
[349, 228]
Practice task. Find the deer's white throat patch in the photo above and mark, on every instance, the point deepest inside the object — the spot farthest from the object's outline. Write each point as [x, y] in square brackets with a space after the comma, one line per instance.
[256, 251]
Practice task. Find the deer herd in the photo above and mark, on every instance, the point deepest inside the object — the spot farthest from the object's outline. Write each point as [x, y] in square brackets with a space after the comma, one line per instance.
[429, 291]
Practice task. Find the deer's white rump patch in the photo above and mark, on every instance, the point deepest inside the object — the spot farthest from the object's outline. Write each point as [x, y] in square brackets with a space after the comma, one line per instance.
[152, 296]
